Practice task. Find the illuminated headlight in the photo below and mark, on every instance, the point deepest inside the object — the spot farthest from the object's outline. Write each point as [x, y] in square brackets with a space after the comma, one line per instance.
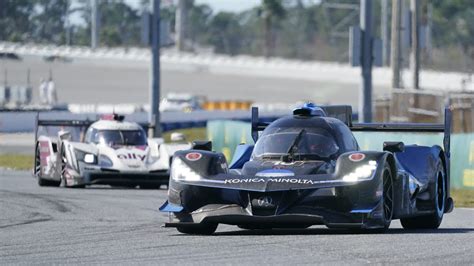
[86, 157]
[181, 172]
[89, 158]
[105, 161]
[363, 172]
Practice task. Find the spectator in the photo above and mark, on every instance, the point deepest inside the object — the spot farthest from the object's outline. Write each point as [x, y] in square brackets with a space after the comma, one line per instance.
[52, 95]
[43, 93]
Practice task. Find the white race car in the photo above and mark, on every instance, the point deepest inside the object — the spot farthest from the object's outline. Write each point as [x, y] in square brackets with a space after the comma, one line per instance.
[109, 151]
[181, 102]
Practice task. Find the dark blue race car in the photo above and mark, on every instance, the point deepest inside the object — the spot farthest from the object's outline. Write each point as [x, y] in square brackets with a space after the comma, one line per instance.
[307, 169]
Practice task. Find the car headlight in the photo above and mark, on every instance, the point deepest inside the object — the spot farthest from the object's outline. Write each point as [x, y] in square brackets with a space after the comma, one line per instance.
[85, 157]
[89, 158]
[363, 172]
[181, 172]
[105, 161]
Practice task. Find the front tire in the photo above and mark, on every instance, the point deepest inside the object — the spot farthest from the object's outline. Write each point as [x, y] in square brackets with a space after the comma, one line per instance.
[431, 221]
[63, 157]
[37, 171]
[198, 229]
[387, 199]
[63, 182]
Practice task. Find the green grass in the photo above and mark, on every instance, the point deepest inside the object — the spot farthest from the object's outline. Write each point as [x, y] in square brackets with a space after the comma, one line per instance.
[17, 162]
[463, 197]
[191, 134]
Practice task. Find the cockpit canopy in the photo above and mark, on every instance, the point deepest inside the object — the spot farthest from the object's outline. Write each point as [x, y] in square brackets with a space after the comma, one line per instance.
[117, 137]
[305, 138]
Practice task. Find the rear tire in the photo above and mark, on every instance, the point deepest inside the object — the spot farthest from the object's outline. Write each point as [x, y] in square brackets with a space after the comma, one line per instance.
[198, 229]
[431, 221]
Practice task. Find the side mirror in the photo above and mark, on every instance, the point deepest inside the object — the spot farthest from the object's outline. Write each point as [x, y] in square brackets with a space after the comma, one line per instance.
[204, 145]
[64, 135]
[394, 146]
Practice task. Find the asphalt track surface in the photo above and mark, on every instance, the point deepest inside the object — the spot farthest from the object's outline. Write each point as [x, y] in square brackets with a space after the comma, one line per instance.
[101, 225]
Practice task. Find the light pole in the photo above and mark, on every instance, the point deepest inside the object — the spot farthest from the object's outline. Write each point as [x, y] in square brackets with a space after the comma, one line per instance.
[415, 45]
[154, 115]
[95, 25]
[365, 109]
[396, 43]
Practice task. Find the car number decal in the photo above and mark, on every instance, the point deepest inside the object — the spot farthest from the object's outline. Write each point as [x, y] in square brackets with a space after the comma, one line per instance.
[193, 156]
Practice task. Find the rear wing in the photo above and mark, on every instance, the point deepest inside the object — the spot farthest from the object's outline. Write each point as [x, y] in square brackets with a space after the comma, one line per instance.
[77, 128]
[50, 128]
[414, 127]
[344, 113]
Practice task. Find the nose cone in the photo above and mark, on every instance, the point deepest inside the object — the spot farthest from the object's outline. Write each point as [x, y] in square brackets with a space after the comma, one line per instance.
[134, 157]
[279, 168]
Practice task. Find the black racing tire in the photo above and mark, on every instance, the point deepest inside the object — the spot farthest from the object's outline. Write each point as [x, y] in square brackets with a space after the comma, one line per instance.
[198, 229]
[387, 196]
[387, 202]
[42, 182]
[63, 182]
[431, 221]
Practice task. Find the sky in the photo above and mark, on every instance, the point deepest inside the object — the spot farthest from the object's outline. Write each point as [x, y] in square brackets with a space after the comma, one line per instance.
[230, 5]
[216, 5]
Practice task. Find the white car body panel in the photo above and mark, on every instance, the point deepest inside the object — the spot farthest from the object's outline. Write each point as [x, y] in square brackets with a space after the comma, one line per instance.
[140, 161]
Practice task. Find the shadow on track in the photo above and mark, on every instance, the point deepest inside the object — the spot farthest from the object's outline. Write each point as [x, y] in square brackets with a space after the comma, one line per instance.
[106, 187]
[327, 231]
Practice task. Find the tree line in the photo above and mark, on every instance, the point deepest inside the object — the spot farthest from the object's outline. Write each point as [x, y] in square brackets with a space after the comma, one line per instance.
[285, 28]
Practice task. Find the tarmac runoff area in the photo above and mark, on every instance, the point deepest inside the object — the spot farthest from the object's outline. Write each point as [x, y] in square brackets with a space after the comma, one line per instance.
[17, 143]
[110, 81]
[101, 225]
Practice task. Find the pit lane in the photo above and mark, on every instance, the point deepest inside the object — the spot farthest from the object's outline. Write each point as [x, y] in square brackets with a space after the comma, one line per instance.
[122, 226]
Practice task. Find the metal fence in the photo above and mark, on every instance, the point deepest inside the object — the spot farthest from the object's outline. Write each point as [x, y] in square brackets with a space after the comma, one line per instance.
[422, 106]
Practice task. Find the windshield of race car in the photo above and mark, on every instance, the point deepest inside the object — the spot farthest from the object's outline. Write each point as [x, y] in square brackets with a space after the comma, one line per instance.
[309, 143]
[121, 137]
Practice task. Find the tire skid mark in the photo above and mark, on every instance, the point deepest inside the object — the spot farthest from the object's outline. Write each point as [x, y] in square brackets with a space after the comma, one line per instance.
[38, 220]
[58, 205]
[28, 212]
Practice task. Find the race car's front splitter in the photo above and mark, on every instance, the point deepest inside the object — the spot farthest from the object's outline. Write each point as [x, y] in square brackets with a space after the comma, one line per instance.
[117, 178]
[233, 214]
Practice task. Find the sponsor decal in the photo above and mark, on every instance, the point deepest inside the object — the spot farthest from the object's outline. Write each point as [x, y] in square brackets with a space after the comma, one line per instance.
[357, 157]
[131, 156]
[273, 180]
[193, 156]
[275, 173]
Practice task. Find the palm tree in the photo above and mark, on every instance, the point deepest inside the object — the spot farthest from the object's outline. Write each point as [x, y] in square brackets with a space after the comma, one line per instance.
[270, 10]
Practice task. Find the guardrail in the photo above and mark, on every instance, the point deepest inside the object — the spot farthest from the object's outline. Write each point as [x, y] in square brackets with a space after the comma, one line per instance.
[247, 65]
[25, 121]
